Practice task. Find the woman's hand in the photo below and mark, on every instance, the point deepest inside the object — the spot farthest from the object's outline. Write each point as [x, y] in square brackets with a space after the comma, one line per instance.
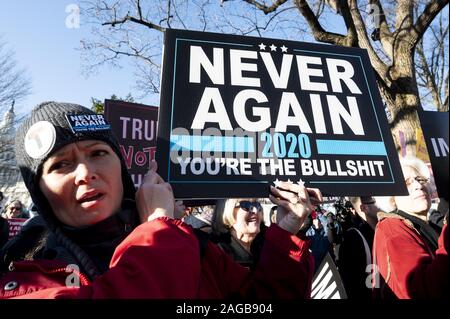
[180, 210]
[154, 198]
[295, 203]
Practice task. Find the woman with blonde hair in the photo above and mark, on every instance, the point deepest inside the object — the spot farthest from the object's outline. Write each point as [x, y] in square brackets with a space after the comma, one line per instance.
[238, 229]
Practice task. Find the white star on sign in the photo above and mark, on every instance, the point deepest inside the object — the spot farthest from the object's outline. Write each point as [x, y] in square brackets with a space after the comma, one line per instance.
[277, 183]
[273, 47]
[301, 183]
[262, 46]
[283, 49]
[289, 181]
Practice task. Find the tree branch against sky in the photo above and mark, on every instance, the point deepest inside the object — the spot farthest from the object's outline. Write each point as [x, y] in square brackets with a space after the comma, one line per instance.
[390, 31]
[433, 66]
[14, 83]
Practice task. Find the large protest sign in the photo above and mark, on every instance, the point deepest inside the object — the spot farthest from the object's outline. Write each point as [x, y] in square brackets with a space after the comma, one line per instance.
[435, 129]
[238, 113]
[327, 283]
[135, 126]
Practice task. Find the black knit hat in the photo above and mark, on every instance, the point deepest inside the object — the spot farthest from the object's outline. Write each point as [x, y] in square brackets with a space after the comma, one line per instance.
[51, 126]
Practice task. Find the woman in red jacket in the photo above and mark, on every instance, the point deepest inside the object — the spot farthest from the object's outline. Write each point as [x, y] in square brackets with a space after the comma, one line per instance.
[98, 238]
[411, 259]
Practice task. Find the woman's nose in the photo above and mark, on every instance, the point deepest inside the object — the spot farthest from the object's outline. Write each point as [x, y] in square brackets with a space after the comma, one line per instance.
[84, 173]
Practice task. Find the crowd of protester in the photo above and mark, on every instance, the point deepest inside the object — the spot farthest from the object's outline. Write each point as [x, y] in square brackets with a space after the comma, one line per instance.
[88, 221]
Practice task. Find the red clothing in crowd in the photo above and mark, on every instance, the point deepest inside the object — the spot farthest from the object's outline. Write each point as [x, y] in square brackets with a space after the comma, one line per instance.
[408, 268]
[161, 259]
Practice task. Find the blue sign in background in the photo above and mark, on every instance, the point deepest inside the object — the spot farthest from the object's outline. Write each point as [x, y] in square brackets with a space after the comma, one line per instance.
[435, 130]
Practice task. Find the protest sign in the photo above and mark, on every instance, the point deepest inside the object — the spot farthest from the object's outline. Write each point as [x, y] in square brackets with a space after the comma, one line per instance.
[15, 225]
[237, 113]
[435, 130]
[135, 126]
[327, 283]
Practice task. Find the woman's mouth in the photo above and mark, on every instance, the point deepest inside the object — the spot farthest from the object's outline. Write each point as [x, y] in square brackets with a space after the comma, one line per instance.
[90, 199]
[422, 196]
[252, 219]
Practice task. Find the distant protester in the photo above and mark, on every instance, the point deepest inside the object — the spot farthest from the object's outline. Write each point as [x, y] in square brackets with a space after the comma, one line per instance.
[318, 234]
[411, 258]
[15, 209]
[355, 251]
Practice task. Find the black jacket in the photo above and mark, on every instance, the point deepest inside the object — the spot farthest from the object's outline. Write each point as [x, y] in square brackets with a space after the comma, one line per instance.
[4, 231]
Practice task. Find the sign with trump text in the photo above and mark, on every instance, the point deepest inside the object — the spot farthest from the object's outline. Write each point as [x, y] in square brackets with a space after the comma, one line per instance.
[135, 127]
[238, 113]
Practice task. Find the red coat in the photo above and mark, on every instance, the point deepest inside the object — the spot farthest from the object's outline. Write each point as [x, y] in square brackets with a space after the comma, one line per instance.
[407, 266]
[161, 259]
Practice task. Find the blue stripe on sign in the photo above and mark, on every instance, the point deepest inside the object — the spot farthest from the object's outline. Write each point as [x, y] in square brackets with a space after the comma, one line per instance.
[213, 143]
[350, 147]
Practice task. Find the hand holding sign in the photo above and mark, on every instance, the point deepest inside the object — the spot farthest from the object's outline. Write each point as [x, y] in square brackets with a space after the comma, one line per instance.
[295, 203]
[180, 210]
[154, 197]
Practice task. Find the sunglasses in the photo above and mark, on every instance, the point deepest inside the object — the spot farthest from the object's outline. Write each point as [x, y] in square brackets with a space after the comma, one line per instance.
[247, 205]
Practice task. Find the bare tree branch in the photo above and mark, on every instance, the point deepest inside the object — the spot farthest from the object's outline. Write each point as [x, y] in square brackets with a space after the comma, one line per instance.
[431, 10]
[446, 93]
[258, 28]
[364, 42]
[139, 9]
[265, 8]
[404, 15]
[127, 18]
[428, 77]
[385, 33]
[320, 8]
[317, 30]
[168, 15]
[344, 10]
[432, 64]
[14, 83]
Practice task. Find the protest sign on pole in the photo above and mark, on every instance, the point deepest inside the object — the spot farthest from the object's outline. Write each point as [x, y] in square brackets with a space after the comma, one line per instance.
[135, 126]
[435, 130]
[238, 113]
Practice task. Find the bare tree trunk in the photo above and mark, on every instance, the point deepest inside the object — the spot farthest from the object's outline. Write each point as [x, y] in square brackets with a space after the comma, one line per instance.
[405, 100]
[389, 37]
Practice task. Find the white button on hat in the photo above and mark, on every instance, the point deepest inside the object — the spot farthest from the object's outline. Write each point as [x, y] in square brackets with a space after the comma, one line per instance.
[40, 139]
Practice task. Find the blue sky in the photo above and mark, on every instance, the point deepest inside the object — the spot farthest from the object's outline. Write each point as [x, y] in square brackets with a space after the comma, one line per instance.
[36, 31]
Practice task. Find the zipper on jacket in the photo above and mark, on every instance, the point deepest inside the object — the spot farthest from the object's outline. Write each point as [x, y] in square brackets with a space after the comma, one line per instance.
[21, 266]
